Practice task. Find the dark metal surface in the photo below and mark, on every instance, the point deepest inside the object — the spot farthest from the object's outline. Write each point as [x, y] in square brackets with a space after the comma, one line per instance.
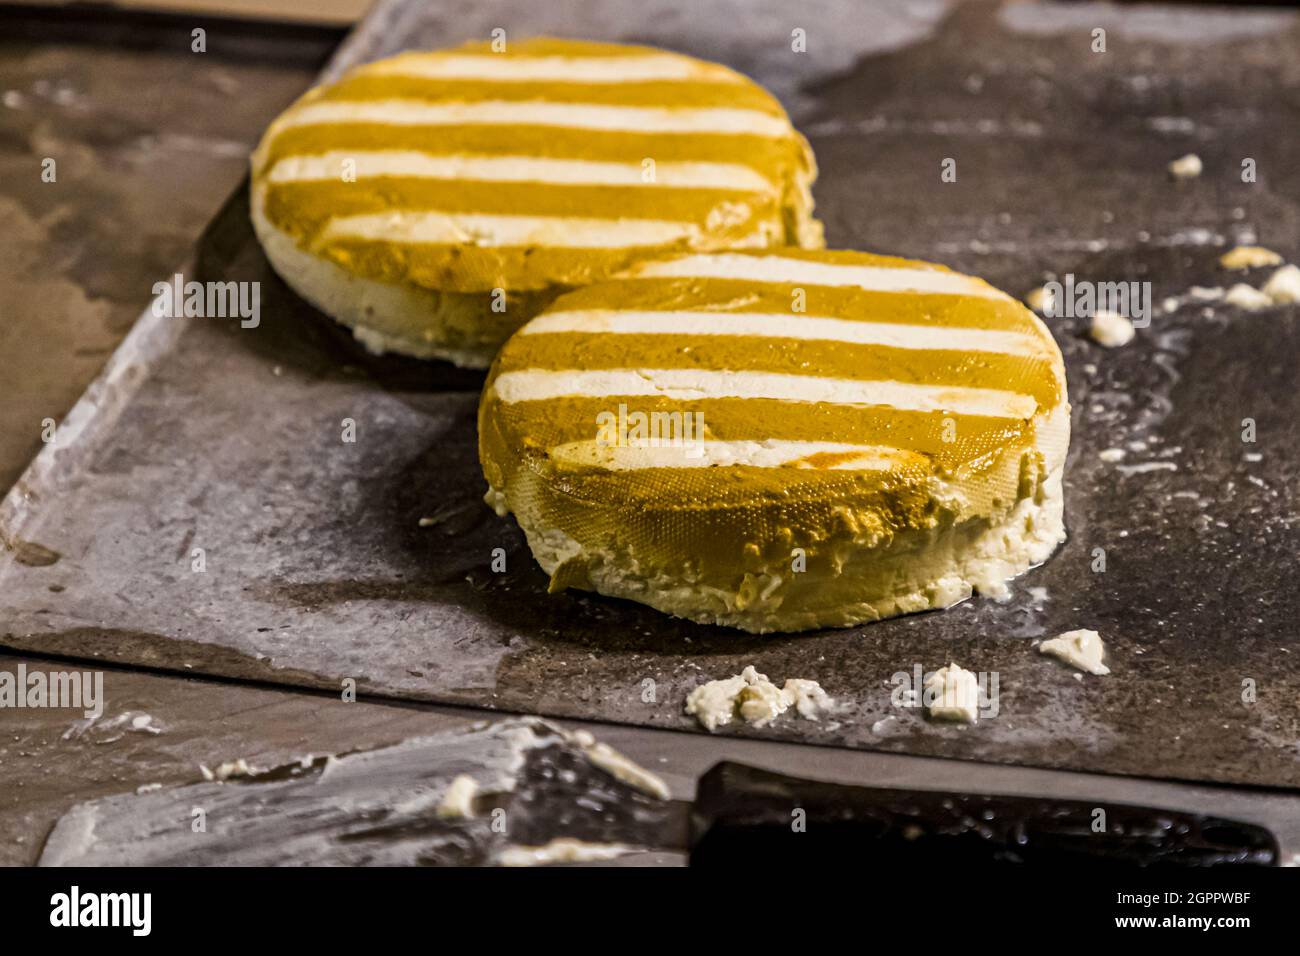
[317, 568]
[743, 815]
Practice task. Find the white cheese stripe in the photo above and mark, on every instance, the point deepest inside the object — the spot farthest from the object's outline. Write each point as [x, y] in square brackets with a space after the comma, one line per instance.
[484, 230]
[561, 69]
[634, 119]
[806, 272]
[370, 164]
[779, 326]
[771, 453]
[695, 384]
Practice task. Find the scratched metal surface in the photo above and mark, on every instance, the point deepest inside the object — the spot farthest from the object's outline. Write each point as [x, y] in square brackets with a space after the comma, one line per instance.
[205, 435]
[376, 808]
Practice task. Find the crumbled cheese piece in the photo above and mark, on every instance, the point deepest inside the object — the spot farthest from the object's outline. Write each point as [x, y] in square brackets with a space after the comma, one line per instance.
[952, 693]
[1082, 649]
[1112, 454]
[1186, 167]
[754, 698]
[1111, 329]
[1284, 286]
[458, 802]
[1041, 300]
[1248, 297]
[1200, 293]
[714, 703]
[807, 696]
[1249, 257]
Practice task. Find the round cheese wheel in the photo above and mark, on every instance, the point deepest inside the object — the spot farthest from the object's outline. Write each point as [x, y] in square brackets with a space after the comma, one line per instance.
[781, 440]
[434, 202]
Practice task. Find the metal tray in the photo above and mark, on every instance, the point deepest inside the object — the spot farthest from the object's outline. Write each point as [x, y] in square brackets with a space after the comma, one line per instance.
[201, 434]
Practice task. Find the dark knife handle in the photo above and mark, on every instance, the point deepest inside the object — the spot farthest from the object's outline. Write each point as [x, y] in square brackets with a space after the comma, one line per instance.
[743, 814]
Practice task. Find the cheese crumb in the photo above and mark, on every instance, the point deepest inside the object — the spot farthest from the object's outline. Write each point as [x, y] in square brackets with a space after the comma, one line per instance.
[231, 768]
[1186, 167]
[458, 802]
[1112, 454]
[1249, 257]
[561, 850]
[755, 699]
[1248, 297]
[1111, 329]
[952, 693]
[1041, 300]
[1284, 287]
[1082, 649]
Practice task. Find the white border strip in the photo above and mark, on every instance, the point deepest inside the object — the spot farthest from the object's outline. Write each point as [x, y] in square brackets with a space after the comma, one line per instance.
[410, 164]
[770, 453]
[499, 68]
[698, 384]
[775, 268]
[485, 231]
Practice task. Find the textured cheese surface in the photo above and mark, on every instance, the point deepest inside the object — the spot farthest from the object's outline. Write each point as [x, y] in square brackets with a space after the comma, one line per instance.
[550, 164]
[855, 413]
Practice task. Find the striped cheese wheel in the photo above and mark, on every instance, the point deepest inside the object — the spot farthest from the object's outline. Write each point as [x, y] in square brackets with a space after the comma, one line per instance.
[436, 201]
[781, 440]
